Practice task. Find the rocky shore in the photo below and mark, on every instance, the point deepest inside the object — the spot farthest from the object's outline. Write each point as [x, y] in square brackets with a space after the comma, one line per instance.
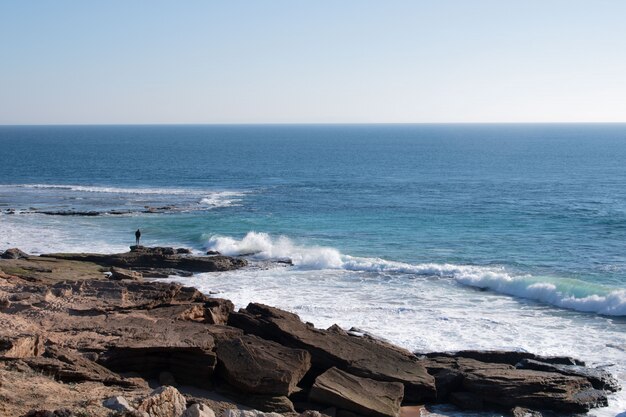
[86, 335]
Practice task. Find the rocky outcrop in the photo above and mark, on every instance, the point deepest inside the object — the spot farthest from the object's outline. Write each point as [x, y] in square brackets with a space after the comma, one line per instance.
[258, 366]
[534, 389]
[118, 274]
[599, 378]
[505, 356]
[198, 410]
[361, 356]
[473, 384]
[363, 396]
[157, 258]
[13, 253]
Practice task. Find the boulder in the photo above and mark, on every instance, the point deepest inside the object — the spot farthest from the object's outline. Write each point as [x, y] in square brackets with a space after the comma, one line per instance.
[199, 410]
[118, 403]
[14, 253]
[363, 396]
[164, 402]
[118, 274]
[599, 378]
[218, 310]
[183, 348]
[361, 356]
[533, 389]
[258, 366]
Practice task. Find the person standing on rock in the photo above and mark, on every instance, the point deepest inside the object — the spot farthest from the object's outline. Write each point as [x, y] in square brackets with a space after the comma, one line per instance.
[137, 236]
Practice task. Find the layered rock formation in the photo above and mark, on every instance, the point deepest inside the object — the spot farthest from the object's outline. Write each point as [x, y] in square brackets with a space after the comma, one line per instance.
[109, 337]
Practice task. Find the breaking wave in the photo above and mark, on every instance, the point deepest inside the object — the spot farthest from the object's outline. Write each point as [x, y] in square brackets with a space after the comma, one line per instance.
[559, 292]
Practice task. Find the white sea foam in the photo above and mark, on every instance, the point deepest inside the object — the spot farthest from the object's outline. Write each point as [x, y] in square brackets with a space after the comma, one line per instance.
[222, 199]
[191, 198]
[564, 293]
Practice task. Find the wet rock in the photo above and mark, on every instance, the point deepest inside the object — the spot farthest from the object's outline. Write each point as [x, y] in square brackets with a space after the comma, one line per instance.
[363, 396]
[212, 252]
[360, 356]
[599, 379]
[506, 357]
[534, 389]
[14, 253]
[156, 257]
[164, 402]
[64, 412]
[118, 274]
[199, 410]
[258, 366]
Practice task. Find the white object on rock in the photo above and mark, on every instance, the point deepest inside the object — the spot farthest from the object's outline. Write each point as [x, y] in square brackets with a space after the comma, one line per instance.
[198, 410]
[164, 402]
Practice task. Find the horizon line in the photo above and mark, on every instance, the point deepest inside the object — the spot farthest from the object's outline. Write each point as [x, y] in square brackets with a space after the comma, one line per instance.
[302, 124]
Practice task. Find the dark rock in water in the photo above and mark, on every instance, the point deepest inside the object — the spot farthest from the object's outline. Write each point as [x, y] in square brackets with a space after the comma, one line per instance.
[157, 257]
[258, 366]
[70, 213]
[508, 357]
[360, 356]
[163, 272]
[120, 274]
[534, 389]
[363, 396]
[183, 251]
[502, 385]
[212, 252]
[599, 379]
[14, 253]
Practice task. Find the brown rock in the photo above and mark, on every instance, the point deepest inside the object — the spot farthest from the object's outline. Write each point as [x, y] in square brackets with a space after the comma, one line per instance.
[524, 412]
[534, 389]
[218, 310]
[21, 346]
[164, 402]
[364, 357]
[14, 253]
[118, 274]
[258, 366]
[363, 396]
[599, 378]
[168, 258]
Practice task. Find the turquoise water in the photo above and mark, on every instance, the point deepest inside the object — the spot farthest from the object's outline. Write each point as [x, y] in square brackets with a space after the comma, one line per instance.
[390, 227]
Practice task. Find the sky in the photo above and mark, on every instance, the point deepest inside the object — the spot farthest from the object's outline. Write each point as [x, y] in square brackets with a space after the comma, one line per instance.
[275, 61]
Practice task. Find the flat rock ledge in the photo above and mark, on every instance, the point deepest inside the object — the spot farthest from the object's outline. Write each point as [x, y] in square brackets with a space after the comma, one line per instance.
[115, 339]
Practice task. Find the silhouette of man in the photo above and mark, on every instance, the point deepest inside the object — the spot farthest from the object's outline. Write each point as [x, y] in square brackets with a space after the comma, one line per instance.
[137, 237]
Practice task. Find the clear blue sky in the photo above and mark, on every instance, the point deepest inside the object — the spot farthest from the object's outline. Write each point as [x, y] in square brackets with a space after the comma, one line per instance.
[316, 61]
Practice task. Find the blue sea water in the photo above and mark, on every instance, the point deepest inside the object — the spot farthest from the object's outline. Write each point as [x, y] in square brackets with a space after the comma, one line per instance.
[492, 236]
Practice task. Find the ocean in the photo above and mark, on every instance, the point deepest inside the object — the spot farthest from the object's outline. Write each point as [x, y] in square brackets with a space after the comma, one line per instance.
[435, 237]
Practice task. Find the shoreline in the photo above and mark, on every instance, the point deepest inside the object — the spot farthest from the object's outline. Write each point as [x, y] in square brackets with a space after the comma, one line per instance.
[63, 317]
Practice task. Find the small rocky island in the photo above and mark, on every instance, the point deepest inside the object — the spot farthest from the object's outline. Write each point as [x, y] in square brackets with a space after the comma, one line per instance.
[86, 335]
